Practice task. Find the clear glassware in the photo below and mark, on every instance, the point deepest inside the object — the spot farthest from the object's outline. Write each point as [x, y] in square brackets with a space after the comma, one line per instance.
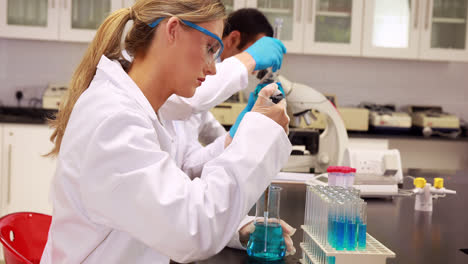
[266, 243]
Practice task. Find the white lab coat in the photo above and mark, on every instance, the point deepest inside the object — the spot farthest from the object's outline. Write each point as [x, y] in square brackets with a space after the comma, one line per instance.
[120, 197]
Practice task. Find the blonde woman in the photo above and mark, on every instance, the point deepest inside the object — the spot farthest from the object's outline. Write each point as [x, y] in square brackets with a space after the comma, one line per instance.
[119, 196]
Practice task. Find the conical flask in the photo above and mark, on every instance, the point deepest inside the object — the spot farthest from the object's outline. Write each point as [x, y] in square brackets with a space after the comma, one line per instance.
[266, 243]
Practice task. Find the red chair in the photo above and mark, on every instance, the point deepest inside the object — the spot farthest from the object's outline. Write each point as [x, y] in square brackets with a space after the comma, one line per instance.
[23, 236]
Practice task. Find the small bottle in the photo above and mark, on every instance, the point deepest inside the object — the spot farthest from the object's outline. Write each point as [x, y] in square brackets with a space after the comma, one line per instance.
[352, 176]
[331, 170]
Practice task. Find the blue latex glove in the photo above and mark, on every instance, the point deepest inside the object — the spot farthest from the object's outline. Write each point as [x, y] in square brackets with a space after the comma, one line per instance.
[250, 103]
[267, 52]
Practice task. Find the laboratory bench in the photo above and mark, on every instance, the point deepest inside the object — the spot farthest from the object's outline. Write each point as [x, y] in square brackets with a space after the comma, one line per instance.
[25, 115]
[415, 237]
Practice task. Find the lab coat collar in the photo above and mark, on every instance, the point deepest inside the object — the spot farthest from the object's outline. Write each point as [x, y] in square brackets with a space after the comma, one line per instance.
[120, 78]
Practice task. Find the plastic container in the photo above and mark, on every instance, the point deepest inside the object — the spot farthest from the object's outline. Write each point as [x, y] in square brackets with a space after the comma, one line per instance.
[23, 236]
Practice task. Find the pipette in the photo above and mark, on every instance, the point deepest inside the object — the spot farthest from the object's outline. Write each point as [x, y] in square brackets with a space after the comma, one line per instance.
[267, 75]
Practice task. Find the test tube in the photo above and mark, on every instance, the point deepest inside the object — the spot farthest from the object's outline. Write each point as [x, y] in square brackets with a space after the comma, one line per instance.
[362, 227]
[340, 226]
[351, 227]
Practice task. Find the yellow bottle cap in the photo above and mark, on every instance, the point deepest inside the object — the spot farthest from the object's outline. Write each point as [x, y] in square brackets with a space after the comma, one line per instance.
[419, 182]
[439, 183]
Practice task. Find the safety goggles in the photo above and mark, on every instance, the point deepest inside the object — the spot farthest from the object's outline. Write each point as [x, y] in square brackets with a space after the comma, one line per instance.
[213, 52]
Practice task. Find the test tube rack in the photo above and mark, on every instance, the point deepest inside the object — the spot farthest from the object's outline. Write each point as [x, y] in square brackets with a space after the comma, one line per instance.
[375, 253]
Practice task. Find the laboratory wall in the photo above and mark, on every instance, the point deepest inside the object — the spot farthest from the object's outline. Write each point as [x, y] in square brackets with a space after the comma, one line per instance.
[30, 65]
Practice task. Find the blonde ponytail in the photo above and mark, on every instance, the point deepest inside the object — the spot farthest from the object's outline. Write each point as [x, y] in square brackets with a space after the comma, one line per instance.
[108, 42]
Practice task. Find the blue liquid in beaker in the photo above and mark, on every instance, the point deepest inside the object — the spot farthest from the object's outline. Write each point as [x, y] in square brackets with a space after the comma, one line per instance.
[275, 246]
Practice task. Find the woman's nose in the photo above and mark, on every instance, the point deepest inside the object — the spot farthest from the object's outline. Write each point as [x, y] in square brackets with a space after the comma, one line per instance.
[210, 68]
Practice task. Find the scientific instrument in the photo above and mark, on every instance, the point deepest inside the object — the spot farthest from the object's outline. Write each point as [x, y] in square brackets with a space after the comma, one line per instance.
[378, 171]
[385, 118]
[53, 95]
[335, 228]
[425, 193]
[267, 243]
[432, 120]
[301, 100]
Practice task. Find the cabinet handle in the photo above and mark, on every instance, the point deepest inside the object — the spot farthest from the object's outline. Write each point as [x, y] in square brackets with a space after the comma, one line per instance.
[429, 3]
[52, 4]
[311, 11]
[9, 174]
[416, 14]
[65, 4]
[298, 11]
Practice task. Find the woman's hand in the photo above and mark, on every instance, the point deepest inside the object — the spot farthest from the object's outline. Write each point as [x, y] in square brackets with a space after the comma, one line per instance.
[277, 112]
[288, 232]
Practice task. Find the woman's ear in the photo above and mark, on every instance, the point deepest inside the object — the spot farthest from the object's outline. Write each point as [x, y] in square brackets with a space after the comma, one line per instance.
[172, 29]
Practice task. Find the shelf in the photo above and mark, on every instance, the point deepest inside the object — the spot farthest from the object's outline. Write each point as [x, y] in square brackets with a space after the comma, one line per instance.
[275, 11]
[448, 20]
[375, 253]
[333, 14]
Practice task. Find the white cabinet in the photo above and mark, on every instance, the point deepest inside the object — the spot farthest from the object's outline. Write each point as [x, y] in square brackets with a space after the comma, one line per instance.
[444, 31]
[69, 20]
[416, 29]
[25, 174]
[292, 13]
[79, 19]
[33, 19]
[333, 27]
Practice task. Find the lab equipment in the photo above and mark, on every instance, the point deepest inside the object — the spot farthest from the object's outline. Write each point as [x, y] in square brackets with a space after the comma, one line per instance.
[333, 141]
[425, 193]
[362, 227]
[269, 75]
[378, 171]
[214, 52]
[385, 118]
[53, 96]
[432, 120]
[335, 228]
[266, 243]
[341, 176]
[355, 119]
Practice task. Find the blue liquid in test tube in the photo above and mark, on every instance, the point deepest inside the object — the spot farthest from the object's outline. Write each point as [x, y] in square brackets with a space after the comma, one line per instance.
[340, 234]
[351, 235]
[362, 227]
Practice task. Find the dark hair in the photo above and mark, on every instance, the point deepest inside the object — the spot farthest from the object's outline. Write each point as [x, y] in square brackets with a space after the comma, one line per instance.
[249, 22]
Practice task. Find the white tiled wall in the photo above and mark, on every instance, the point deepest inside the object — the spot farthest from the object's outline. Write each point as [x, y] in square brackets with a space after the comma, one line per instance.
[30, 65]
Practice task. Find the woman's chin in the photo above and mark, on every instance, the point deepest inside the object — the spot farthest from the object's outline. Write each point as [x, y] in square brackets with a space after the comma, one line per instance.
[187, 93]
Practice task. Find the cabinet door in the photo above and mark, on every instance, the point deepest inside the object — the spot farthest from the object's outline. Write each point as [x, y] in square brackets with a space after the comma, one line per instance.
[391, 28]
[444, 35]
[333, 27]
[26, 174]
[79, 19]
[291, 12]
[29, 19]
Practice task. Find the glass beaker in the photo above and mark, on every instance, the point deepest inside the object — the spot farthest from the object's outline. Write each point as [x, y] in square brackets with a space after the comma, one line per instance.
[266, 243]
